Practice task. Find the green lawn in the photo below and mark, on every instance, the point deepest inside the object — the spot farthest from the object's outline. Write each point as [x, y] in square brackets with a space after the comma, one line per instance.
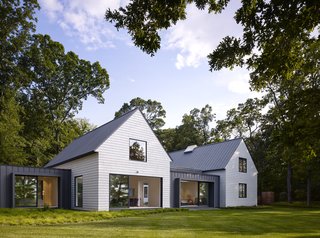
[280, 221]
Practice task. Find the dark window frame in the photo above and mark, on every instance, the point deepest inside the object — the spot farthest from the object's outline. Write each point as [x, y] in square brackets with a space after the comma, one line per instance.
[145, 150]
[37, 196]
[243, 190]
[76, 200]
[243, 165]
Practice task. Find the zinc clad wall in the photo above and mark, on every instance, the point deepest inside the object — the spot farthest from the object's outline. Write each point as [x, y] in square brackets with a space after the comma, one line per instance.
[223, 182]
[114, 158]
[88, 168]
[7, 174]
[234, 177]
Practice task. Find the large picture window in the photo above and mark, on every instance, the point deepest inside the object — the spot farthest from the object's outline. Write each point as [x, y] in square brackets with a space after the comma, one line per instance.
[25, 191]
[79, 191]
[242, 165]
[119, 190]
[138, 150]
[242, 190]
[35, 191]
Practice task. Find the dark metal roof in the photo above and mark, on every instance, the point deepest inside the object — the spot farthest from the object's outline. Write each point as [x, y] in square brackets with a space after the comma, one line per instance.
[208, 157]
[89, 142]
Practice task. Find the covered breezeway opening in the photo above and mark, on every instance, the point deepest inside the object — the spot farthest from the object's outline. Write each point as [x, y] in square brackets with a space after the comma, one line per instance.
[194, 193]
[128, 191]
[192, 188]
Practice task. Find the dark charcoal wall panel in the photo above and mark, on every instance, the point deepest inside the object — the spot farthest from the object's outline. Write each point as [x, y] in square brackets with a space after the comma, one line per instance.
[7, 174]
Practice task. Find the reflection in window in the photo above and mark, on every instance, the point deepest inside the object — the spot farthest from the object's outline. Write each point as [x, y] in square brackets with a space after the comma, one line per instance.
[79, 191]
[25, 191]
[138, 150]
[242, 165]
[203, 193]
[119, 190]
[242, 190]
[34, 191]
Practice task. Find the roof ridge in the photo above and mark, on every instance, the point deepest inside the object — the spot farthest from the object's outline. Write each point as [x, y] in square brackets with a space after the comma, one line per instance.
[114, 119]
[215, 143]
[69, 153]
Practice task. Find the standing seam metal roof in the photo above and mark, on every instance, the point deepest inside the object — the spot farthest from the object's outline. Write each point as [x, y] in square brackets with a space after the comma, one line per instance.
[208, 157]
[89, 142]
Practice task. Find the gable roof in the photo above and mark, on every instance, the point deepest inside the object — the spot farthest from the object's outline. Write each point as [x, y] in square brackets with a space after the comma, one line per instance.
[208, 157]
[89, 142]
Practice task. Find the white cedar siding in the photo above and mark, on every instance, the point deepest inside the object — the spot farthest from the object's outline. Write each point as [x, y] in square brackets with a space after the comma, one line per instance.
[114, 158]
[234, 177]
[222, 175]
[88, 168]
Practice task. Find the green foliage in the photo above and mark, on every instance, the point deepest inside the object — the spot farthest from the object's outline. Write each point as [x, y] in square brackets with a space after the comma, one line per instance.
[152, 111]
[194, 130]
[144, 19]
[24, 216]
[11, 141]
[17, 22]
[280, 46]
[41, 89]
[59, 82]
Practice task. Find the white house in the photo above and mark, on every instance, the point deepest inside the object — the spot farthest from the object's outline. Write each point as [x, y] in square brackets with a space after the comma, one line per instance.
[122, 164]
[119, 164]
[230, 161]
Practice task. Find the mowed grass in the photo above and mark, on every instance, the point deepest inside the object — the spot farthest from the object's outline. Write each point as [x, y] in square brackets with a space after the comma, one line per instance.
[238, 222]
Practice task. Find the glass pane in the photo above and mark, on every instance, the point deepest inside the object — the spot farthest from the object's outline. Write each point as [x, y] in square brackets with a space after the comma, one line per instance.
[79, 191]
[119, 191]
[25, 191]
[138, 150]
[189, 193]
[203, 193]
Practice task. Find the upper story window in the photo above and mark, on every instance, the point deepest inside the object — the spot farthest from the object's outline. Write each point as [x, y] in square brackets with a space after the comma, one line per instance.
[138, 150]
[242, 165]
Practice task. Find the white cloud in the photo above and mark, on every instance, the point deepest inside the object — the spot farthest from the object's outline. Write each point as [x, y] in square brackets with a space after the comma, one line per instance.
[52, 8]
[199, 34]
[239, 84]
[84, 20]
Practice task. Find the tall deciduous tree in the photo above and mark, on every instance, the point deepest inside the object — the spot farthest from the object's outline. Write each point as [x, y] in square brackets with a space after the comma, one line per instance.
[17, 22]
[59, 83]
[195, 128]
[279, 38]
[152, 110]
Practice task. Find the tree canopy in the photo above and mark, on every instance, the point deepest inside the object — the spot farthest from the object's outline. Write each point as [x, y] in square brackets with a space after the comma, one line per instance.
[42, 88]
[151, 109]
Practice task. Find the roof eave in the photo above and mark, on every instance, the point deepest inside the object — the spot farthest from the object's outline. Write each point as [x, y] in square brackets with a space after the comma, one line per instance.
[71, 159]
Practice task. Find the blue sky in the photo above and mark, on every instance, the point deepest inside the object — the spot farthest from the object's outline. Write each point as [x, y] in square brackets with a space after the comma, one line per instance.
[178, 75]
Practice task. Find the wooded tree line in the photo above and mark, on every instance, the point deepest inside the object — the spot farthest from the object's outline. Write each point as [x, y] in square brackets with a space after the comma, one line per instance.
[42, 88]
[280, 47]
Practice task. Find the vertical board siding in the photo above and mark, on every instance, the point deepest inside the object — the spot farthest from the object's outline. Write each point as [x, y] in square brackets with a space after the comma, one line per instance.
[114, 158]
[88, 168]
[223, 182]
[6, 187]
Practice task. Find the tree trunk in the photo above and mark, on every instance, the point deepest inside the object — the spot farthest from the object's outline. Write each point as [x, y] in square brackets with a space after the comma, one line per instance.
[289, 185]
[308, 187]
